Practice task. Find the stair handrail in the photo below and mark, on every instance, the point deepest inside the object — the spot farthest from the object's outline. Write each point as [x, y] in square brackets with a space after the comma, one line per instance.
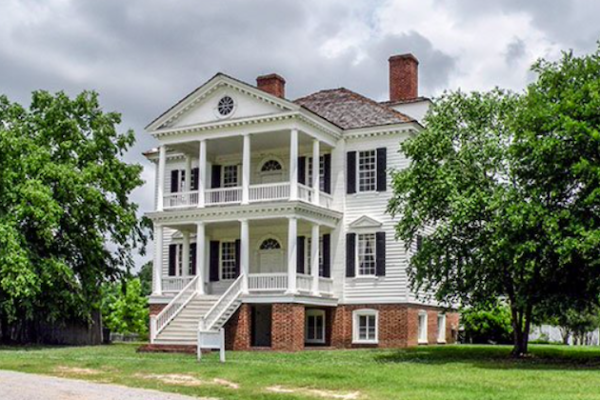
[175, 306]
[221, 305]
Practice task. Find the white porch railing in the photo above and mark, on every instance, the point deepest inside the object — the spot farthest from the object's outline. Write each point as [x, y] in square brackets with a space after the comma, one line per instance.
[208, 321]
[272, 282]
[224, 195]
[325, 285]
[175, 283]
[270, 191]
[304, 282]
[305, 193]
[325, 200]
[158, 323]
[181, 199]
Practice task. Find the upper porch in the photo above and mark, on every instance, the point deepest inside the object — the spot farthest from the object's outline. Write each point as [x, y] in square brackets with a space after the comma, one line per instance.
[271, 165]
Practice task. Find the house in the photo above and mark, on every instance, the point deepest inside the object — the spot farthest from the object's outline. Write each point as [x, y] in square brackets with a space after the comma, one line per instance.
[270, 224]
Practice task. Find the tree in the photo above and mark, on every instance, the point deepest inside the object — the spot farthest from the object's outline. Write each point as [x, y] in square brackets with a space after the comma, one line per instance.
[125, 308]
[145, 276]
[66, 222]
[506, 188]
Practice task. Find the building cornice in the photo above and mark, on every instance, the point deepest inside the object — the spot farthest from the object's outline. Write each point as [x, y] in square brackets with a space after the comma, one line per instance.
[284, 209]
[411, 128]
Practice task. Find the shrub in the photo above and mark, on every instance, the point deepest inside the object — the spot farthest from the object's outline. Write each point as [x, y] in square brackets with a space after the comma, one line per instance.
[491, 324]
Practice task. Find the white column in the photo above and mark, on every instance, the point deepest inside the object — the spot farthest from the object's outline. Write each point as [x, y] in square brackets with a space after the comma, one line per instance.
[158, 260]
[201, 173]
[245, 253]
[200, 248]
[188, 174]
[294, 164]
[246, 170]
[162, 160]
[292, 242]
[185, 253]
[314, 258]
[315, 171]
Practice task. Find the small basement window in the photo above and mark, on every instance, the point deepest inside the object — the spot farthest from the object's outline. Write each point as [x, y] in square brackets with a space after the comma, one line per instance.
[365, 326]
[441, 323]
[423, 327]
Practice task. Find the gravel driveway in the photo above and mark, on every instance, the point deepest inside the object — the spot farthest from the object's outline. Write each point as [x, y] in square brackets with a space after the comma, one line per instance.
[20, 386]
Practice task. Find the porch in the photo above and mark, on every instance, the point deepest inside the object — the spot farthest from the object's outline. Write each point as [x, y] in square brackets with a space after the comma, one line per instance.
[273, 256]
[253, 168]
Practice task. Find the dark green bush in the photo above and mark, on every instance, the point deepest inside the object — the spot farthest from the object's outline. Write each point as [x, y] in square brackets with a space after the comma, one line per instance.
[491, 324]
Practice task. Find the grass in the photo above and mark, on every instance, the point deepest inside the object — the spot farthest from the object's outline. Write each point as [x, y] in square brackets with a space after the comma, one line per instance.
[445, 372]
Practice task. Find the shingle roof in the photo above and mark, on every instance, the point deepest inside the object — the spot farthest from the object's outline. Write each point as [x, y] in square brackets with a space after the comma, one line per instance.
[350, 110]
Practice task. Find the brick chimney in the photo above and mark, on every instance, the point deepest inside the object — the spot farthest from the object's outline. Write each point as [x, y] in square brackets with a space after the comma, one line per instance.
[404, 77]
[272, 83]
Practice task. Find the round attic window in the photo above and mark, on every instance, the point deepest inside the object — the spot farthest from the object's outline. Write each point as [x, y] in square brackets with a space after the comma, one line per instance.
[225, 106]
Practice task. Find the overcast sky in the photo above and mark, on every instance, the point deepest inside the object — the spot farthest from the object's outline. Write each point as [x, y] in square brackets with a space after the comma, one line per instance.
[144, 55]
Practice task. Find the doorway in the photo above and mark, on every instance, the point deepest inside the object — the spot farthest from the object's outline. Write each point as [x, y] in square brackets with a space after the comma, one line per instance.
[261, 326]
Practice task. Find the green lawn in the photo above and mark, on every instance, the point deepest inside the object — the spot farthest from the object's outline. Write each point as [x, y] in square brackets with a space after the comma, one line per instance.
[448, 372]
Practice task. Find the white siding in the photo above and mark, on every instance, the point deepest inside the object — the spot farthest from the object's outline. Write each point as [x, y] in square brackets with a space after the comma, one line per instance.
[394, 286]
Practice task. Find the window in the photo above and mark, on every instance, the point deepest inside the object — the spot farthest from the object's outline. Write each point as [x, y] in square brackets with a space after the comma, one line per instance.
[423, 327]
[321, 173]
[228, 267]
[366, 254]
[367, 171]
[441, 323]
[225, 106]
[315, 326]
[270, 244]
[271, 166]
[230, 176]
[308, 257]
[365, 326]
[179, 260]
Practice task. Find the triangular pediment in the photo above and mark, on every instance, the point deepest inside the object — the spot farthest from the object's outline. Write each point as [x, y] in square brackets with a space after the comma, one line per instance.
[365, 222]
[202, 105]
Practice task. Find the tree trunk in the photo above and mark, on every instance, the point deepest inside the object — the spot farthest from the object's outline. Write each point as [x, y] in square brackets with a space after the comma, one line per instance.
[521, 322]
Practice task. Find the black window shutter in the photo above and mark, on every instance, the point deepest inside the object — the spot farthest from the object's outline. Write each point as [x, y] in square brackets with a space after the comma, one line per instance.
[194, 182]
[238, 249]
[172, 259]
[327, 173]
[192, 259]
[216, 176]
[302, 170]
[351, 172]
[380, 253]
[300, 255]
[419, 242]
[327, 255]
[381, 169]
[214, 261]
[175, 181]
[350, 255]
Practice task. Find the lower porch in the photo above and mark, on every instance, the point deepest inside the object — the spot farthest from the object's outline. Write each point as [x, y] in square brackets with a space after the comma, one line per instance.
[274, 256]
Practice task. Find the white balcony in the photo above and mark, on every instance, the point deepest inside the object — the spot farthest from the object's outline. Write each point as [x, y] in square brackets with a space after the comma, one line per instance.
[279, 191]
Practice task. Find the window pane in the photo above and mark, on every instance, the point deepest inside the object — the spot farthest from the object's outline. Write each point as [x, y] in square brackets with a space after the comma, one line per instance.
[228, 260]
[367, 170]
[366, 254]
[230, 176]
[371, 327]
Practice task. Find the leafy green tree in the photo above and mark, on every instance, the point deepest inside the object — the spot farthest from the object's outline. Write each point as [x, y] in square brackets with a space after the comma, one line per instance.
[506, 188]
[66, 222]
[125, 308]
[145, 276]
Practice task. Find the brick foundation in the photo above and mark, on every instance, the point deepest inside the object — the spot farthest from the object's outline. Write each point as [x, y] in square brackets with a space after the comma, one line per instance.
[287, 331]
[238, 329]
[155, 309]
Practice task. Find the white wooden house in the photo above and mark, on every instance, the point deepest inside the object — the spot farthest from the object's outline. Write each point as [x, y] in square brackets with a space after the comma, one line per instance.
[257, 245]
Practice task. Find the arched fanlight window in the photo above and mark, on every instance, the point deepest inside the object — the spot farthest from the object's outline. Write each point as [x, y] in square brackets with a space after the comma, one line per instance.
[270, 244]
[271, 166]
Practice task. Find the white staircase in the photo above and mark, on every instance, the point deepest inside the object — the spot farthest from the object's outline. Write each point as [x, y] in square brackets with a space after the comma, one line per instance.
[183, 327]
[210, 329]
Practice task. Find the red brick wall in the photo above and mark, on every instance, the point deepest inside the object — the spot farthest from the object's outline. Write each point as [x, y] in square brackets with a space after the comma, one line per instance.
[404, 77]
[238, 329]
[287, 330]
[155, 309]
